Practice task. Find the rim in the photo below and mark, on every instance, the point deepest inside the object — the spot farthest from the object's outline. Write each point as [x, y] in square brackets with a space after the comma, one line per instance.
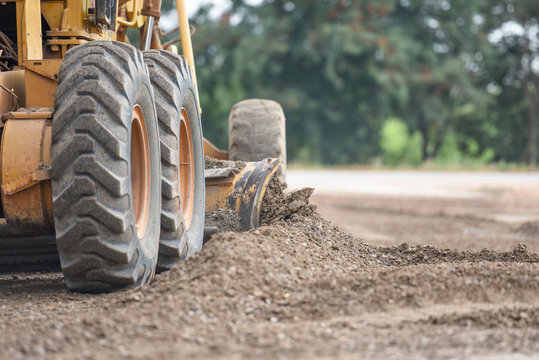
[187, 171]
[140, 171]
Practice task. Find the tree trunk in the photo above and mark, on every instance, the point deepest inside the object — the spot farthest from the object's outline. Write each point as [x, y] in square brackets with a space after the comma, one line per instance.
[531, 102]
[440, 138]
[424, 131]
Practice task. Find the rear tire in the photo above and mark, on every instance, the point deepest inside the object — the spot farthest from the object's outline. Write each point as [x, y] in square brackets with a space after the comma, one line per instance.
[256, 131]
[182, 157]
[106, 174]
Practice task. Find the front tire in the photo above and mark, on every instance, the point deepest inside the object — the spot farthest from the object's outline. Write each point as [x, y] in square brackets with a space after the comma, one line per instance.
[106, 174]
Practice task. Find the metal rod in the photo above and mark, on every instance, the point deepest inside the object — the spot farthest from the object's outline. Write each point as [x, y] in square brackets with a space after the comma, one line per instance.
[148, 29]
[161, 33]
[14, 103]
[187, 47]
[168, 43]
[133, 21]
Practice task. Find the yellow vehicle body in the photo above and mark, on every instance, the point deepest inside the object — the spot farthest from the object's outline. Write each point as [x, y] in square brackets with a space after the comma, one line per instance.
[45, 31]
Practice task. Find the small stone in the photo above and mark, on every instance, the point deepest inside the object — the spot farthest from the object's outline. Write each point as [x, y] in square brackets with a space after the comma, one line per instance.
[39, 350]
[133, 298]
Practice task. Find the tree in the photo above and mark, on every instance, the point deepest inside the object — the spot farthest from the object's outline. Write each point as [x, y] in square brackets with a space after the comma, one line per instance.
[428, 66]
[342, 68]
[514, 30]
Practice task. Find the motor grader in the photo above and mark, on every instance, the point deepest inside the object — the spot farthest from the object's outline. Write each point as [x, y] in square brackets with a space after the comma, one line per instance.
[102, 153]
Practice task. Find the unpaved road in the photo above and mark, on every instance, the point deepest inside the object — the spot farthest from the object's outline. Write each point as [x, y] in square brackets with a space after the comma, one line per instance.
[300, 288]
[458, 210]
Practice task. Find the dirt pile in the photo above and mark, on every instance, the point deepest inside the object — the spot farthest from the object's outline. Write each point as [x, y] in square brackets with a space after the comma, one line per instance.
[224, 220]
[406, 254]
[277, 205]
[297, 287]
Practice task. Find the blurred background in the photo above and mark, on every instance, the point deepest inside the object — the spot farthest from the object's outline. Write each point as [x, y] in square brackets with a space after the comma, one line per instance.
[404, 83]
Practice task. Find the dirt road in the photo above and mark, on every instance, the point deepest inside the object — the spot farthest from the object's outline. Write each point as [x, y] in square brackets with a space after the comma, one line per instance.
[457, 210]
[298, 287]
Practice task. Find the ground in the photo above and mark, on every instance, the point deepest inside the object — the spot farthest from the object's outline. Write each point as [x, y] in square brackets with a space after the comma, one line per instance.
[455, 210]
[425, 266]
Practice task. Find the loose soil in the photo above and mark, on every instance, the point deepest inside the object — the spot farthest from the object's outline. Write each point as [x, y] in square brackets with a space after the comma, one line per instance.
[493, 222]
[296, 287]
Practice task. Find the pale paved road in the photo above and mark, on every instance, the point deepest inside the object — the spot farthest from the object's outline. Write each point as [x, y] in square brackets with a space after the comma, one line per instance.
[416, 183]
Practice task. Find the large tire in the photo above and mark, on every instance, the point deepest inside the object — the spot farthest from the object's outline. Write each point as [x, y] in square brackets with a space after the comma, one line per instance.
[182, 157]
[257, 130]
[106, 174]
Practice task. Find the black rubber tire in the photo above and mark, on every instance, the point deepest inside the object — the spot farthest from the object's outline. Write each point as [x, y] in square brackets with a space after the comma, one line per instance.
[256, 131]
[99, 84]
[174, 89]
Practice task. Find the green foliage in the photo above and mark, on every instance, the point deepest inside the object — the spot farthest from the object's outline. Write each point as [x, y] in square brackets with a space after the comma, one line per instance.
[398, 146]
[409, 81]
[462, 151]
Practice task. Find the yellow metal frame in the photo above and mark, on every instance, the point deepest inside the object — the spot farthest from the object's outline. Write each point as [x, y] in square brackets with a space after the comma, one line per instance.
[136, 6]
[26, 163]
[70, 26]
[185, 35]
[240, 190]
[29, 31]
[25, 153]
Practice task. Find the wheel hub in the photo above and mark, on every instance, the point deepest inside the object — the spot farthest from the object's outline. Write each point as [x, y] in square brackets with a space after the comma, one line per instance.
[140, 171]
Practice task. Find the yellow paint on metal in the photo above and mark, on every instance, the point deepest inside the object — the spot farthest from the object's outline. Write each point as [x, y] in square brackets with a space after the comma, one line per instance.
[48, 68]
[52, 12]
[240, 190]
[213, 151]
[135, 6]
[218, 188]
[187, 46]
[79, 34]
[13, 81]
[75, 15]
[41, 82]
[29, 33]
[25, 159]
[29, 114]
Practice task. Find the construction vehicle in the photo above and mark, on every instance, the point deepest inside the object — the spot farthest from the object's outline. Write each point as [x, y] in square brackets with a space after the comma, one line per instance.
[102, 153]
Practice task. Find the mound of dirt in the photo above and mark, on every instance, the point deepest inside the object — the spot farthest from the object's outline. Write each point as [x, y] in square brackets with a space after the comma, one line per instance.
[293, 266]
[224, 220]
[277, 205]
[296, 287]
[405, 255]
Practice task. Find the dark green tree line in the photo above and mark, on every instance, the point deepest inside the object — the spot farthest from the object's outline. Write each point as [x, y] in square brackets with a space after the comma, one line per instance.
[460, 75]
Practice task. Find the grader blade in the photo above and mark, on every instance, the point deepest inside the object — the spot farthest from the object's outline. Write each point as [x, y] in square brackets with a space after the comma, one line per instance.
[240, 190]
